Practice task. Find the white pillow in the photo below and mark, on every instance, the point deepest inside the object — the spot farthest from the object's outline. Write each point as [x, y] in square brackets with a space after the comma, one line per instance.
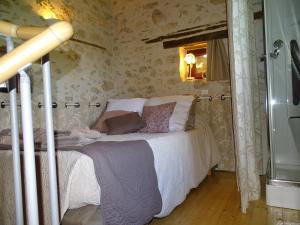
[180, 114]
[131, 104]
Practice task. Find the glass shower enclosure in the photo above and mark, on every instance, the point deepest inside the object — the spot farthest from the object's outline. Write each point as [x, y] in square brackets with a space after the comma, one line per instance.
[282, 41]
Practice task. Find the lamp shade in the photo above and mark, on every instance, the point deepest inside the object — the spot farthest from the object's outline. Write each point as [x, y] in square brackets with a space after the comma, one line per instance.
[190, 58]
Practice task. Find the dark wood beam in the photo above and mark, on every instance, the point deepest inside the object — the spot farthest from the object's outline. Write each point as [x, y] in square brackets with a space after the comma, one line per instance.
[184, 33]
[88, 43]
[197, 38]
[222, 22]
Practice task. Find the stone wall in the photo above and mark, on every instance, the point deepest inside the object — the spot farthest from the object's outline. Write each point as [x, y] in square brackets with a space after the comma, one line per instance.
[128, 67]
[150, 70]
[80, 73]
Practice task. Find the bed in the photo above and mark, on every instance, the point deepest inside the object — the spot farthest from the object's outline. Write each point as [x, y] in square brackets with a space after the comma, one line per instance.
[182, 157]
[182, 160]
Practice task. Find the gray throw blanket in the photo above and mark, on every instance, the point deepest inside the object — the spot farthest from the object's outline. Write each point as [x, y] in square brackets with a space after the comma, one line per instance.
[126, 174]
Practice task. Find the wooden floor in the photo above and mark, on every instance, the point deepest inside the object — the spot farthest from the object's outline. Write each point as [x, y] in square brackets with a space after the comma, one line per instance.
[216, 202]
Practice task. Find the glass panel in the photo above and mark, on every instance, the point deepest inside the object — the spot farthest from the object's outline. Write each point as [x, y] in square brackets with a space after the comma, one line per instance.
[284, 88]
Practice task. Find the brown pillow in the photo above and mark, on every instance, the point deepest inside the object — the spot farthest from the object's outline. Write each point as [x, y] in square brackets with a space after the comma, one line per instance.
[100, 124]
[157, 118]
[124, 124]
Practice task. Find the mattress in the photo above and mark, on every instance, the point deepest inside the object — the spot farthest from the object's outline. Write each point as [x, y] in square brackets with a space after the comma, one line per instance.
[182, 160]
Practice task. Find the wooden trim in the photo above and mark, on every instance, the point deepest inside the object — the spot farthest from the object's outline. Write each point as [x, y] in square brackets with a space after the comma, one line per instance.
[186, 32]
[222, 22]
[191, 28]
[198, 38]
[87, 43]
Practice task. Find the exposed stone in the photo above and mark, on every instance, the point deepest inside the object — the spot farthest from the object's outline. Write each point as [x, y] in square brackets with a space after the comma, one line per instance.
[199, 7]
[108, 62]
[80, 33]
[183, 13]
[58, 71]
[150, 5]
[171, 59]
[142, 69]
[134, 68]
[95, 90]
[128, 74]
[125, 30]
[218, 2]
[158, 62]
[150, 90]
[131, 90]
[158, 17]
[5, 3]
[69, 98]
[172, 81]
[107, 85]
[153, 72]
[171, 25]
[146, 79]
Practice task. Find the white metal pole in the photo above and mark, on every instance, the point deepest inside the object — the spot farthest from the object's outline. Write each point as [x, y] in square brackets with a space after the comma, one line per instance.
[29, 156]
[15, 145]
[50, 140]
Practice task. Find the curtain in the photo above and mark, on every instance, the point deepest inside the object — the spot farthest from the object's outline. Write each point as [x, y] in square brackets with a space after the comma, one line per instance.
[217, 60]
[244, 76]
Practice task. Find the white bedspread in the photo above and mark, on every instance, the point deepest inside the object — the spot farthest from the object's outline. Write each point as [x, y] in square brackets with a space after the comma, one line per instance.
[182, 160]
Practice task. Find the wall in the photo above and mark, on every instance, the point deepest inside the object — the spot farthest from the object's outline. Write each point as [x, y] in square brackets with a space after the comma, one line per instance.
[150, 70]
[129, 67]
[80, 73]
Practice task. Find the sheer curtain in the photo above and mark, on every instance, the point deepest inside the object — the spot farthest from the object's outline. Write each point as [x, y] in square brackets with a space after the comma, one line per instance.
[217, 60]
[243, 65]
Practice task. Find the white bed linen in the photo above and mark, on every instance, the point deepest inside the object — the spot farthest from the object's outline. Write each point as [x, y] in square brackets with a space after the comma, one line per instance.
[182, 160]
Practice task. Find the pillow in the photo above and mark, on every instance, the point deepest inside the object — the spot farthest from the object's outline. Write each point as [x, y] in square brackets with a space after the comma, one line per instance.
[124, 124]
[157, 118]
[131, 104]
[190, 123]
[180, 115]
[100, 124]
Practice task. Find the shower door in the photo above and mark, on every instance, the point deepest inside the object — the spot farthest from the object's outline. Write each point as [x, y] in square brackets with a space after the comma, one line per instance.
[282, 38]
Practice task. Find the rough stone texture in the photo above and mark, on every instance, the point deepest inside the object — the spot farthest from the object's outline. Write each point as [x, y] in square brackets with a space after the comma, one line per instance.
[129, 67]
[79, 72]
[149, 70]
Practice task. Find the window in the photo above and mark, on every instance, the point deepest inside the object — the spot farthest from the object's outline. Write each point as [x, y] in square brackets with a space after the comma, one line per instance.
[196, 68]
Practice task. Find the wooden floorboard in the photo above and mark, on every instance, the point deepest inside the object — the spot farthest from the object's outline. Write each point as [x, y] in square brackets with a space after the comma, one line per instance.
[217, 202]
